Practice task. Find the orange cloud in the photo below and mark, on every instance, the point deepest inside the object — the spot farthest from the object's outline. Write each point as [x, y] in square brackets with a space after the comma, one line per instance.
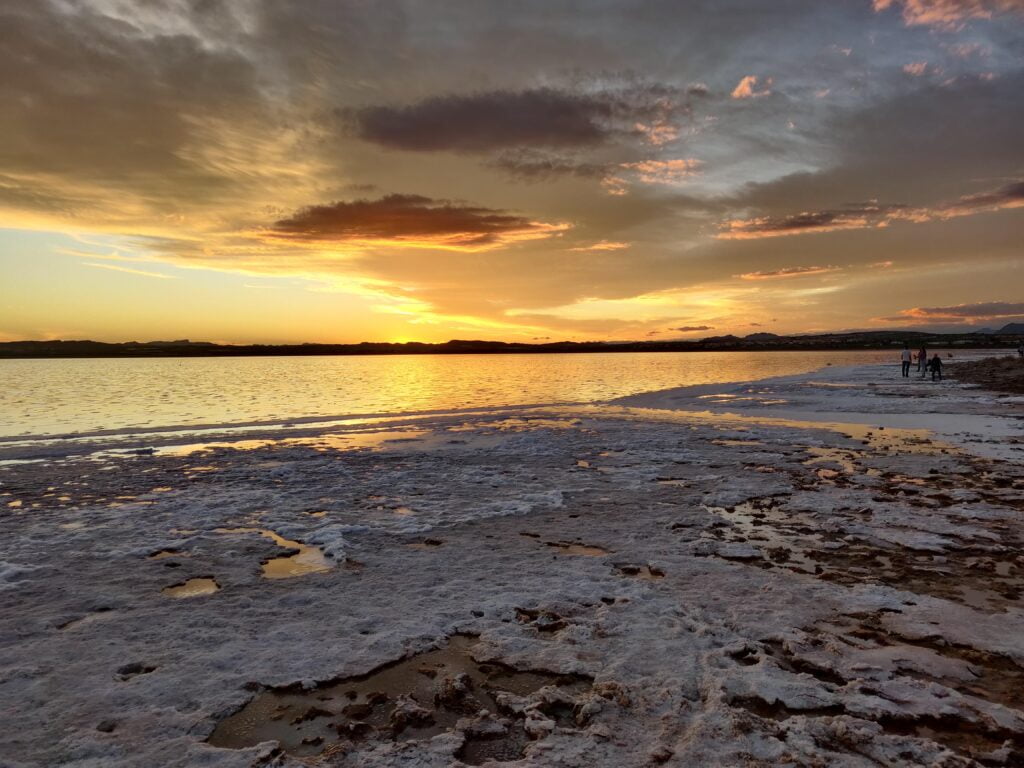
[916, 68]
[948, 14]
[747, 88]
[658, 133]
[664, 171]
[788, 272]
[603, 245]
[988, 310]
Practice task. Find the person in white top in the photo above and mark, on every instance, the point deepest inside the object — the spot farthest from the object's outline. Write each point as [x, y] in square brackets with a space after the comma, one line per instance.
[906, 357]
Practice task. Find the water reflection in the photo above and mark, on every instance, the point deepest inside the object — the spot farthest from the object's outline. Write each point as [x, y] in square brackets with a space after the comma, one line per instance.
[307, 559]
[54, 397]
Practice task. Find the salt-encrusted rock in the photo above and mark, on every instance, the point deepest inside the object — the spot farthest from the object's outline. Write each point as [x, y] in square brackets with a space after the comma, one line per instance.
[407, 712]
[537, 725]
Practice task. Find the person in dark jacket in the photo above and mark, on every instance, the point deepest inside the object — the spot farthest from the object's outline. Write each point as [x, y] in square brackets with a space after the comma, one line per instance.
[936, 366]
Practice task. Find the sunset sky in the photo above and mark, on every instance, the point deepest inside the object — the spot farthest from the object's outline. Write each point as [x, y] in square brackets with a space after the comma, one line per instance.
[389, 170]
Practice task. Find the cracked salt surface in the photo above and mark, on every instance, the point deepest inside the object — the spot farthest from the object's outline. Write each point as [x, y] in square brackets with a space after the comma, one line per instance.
[738, 608]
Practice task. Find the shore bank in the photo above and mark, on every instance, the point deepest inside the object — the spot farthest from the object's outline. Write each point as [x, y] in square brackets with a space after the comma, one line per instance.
[818, 569]
[1002, 374]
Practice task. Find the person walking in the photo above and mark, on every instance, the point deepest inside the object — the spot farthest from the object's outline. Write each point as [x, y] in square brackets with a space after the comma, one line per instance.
[922, 361]
[936, 366]
[905, 357]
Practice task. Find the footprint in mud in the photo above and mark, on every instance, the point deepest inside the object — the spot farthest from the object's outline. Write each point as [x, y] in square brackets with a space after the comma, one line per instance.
[192, 588]
[426, 544]
[99, 613]
[578, 548]
[418, 697]
[644, 572]
[547, 622]
[136, 668]
[164, 554]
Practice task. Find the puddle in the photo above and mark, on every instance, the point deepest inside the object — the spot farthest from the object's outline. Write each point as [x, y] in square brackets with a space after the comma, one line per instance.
[415, 698]
[374, 440]
[192, 588]
[842, 458]
[308, 559]
[576, 548]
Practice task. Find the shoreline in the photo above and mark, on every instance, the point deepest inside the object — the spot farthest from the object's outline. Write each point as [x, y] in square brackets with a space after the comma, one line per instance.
[739, 582]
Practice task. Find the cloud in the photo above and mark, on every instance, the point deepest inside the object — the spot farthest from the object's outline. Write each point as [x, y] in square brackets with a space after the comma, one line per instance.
[948, 14]
[747, 88]
[872, 215]
[664, 171]
[536, 165]
[988, 310]
[859, 216]
[539, 117]
[603, 245]
[128, 270]
[411, 221]
[692, 328]
[777, 274]
[916, 68]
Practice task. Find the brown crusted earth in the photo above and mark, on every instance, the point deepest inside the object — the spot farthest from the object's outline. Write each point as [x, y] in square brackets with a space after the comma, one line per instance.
[1002, 374]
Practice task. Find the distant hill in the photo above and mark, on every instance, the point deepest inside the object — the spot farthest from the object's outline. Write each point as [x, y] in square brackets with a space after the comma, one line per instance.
[1008, 336]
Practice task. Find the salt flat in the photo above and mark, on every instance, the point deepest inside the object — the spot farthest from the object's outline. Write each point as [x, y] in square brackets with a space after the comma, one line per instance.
[817, 570]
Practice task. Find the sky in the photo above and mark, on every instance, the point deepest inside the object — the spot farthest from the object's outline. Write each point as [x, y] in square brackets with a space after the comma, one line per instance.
[395, 170]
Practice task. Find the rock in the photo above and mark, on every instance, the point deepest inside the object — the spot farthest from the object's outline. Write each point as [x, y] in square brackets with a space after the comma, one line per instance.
[106, 726]
[453, 691]
[407, 712]
[537, 725]
[661, 754]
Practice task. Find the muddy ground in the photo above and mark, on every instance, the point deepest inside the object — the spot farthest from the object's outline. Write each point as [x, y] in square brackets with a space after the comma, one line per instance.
[606, 586]
[1002, 374]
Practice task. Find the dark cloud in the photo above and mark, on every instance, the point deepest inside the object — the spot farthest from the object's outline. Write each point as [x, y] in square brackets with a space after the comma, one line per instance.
[409, 219]
[870, 215]
[535, 165]
[691, 328]
[540, 117]
[853, 216]
[1007, 195]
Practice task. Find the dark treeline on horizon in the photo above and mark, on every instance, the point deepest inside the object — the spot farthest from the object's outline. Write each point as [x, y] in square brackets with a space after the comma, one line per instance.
[1009, 336]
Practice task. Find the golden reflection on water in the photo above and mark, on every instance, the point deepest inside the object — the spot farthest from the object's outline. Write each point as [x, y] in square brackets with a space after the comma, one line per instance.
[308, 559]
[85, 395]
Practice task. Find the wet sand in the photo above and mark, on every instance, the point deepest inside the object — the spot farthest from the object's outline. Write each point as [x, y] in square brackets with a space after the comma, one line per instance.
[816, 570]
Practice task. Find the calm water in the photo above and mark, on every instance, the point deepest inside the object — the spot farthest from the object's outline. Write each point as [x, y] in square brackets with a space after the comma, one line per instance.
[48, 397]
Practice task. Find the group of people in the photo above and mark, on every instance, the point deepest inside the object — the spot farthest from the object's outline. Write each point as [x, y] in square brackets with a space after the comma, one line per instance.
[923, 363]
